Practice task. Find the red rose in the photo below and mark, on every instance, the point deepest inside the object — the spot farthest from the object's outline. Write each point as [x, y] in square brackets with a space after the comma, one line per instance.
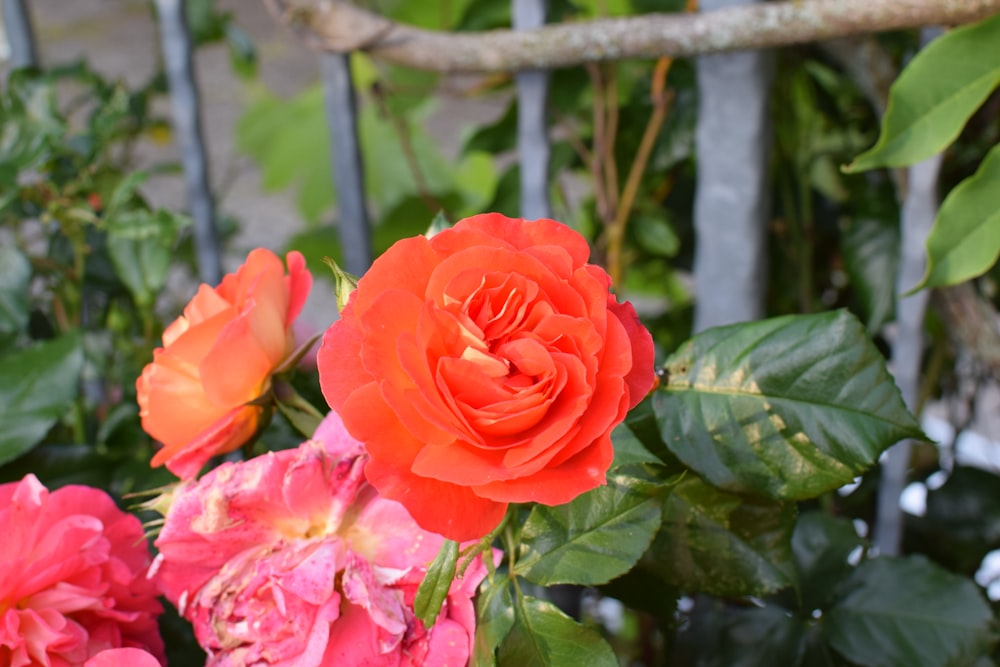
[483, 366]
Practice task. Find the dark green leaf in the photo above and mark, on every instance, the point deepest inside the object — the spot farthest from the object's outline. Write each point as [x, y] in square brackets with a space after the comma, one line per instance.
[962, 521]
[434, 588]
[786, 408]
[871, 258]
[593, 539]
[967, 505]
[494, 619]
[15, 274]
[543, 636]
[716, 542]
[821, 544]
[723, 635]
[965, 239]
[641, 589]
[37, 386]
[933, 97]
[908, 613]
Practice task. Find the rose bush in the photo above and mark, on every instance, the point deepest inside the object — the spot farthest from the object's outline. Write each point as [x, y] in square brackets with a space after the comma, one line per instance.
[218, 357]
[72, 577]
[291, 558]
[483, 366]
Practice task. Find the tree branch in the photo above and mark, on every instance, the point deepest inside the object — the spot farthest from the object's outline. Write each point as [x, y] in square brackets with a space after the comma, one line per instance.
[334, 25]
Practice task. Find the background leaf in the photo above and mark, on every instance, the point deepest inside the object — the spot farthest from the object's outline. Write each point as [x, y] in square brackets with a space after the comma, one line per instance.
[725, 635]
[908, 613]
[821, 545]
[965, 239]
[543, 636]
[716, 542]
[593, 539]
[15, 274]
[935, 95]
[37, 386]
[871, 258]
[786, 408]
[141, 246]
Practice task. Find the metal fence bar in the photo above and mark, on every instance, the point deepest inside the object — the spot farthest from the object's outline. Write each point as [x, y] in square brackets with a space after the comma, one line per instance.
[732, 196]
[920, 204]
[20, 35]
[348, 167]
[533, 145]
[177, 57]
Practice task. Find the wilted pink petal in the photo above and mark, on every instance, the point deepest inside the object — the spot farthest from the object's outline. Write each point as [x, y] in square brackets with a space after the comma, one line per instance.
[292, 559]
[122, 657]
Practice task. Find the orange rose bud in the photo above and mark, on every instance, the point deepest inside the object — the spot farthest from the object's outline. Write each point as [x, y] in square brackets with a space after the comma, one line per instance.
[196, 397]
[486, 365]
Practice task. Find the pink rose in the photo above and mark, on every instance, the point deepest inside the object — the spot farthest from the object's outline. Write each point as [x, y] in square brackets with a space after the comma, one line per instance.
[72, 577]
[292, 558]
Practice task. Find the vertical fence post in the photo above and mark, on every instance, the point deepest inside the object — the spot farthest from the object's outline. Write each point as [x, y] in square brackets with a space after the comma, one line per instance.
[919, 209]
[177, 58]
[732, 195]
[345, 153]
[20, 35]
[533, 146]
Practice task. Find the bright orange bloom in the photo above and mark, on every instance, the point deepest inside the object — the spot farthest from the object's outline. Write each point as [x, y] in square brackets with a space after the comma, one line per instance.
[486, 365]
[218, 357]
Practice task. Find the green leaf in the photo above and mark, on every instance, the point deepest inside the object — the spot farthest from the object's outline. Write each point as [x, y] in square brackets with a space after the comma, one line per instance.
[15, 274]
[965, 239]
[37, 386]
[543, 636]
[434, 588]
[822, 544]
[716, 542]
[124, 192]
[786, 408]
[656, 236]
[494, 619]
[593, 539]
[141, 247]
[909, 612]
[871, 258]
[629, 450]
[935, 95]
